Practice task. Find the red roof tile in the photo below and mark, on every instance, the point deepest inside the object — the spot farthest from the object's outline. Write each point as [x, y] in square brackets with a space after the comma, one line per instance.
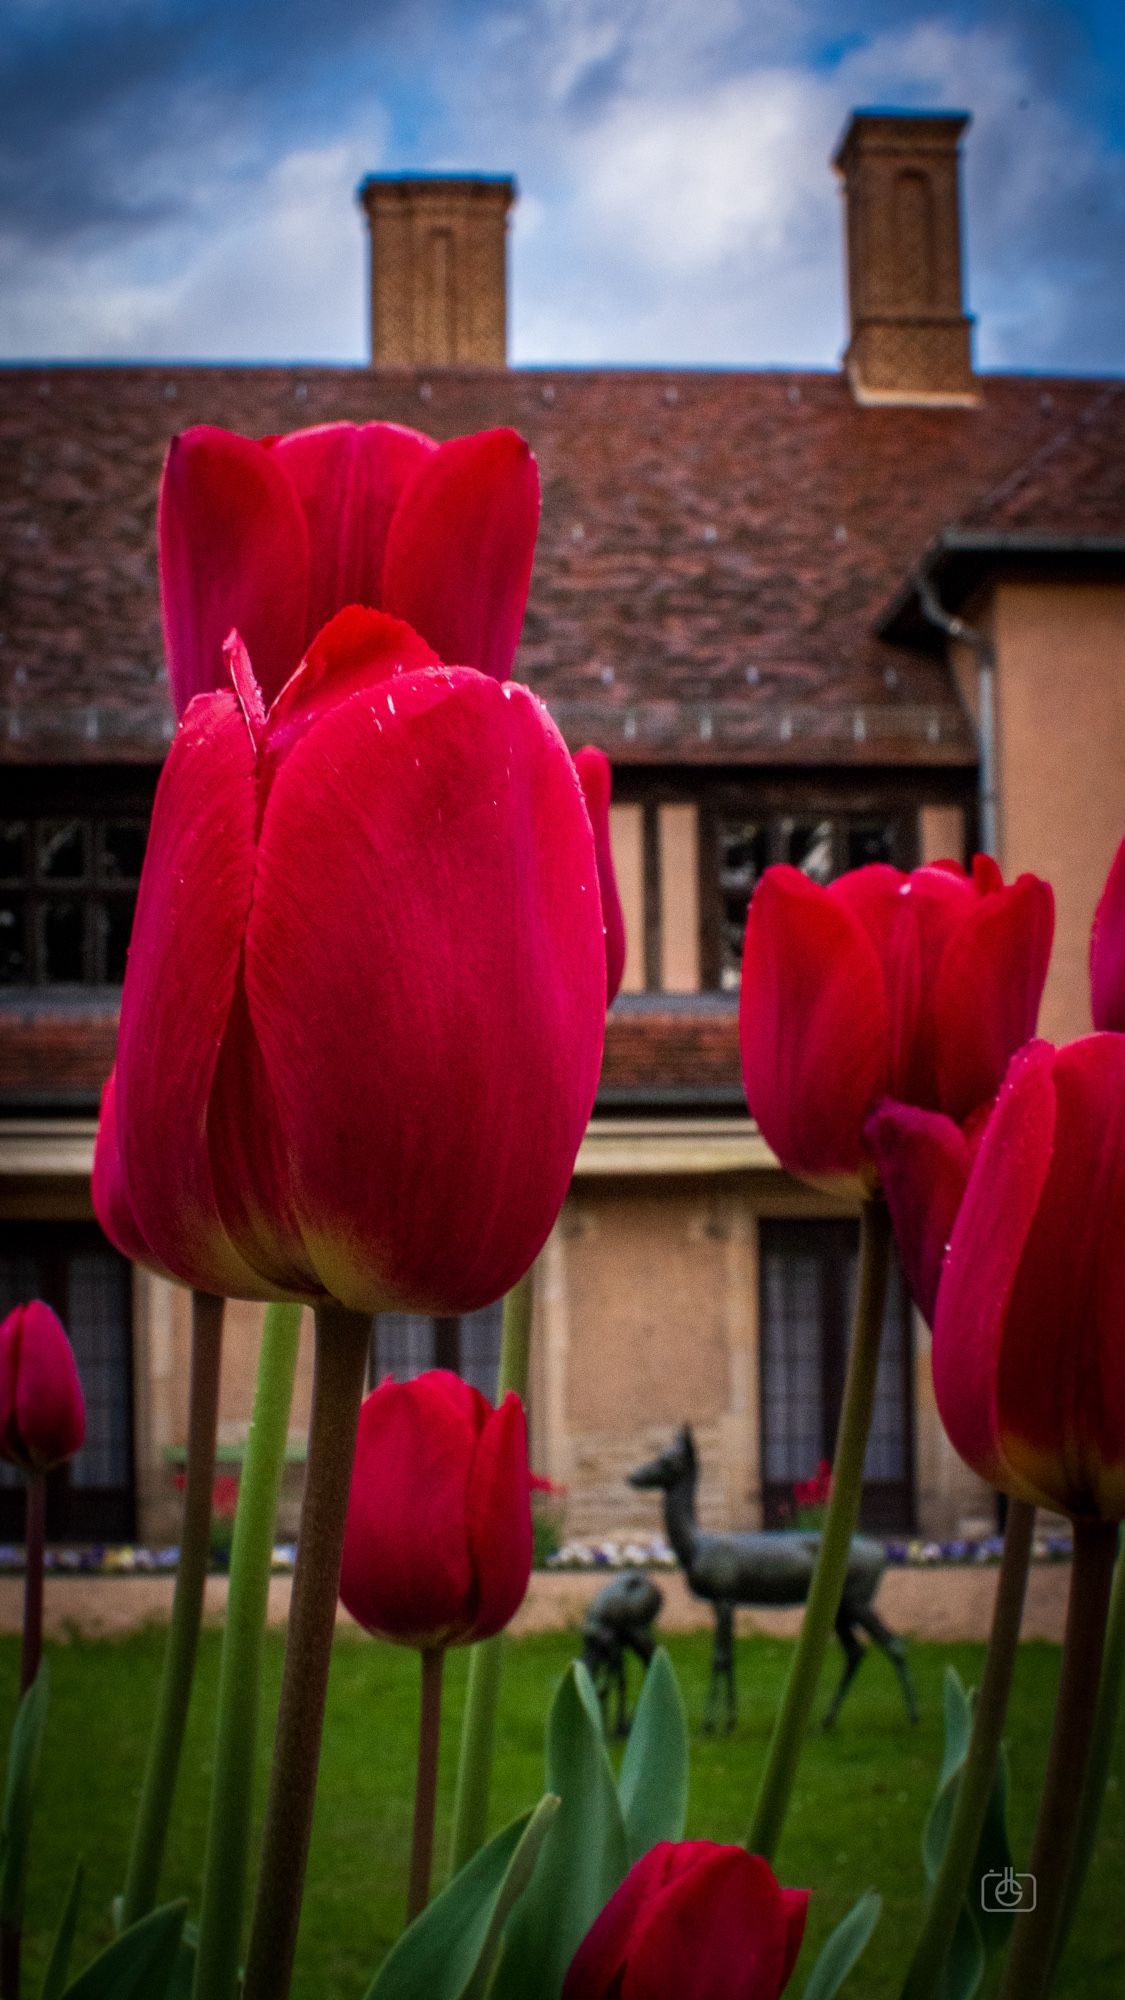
[716, 546]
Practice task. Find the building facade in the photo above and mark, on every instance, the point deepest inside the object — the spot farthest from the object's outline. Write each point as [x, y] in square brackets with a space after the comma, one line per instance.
[821, 617]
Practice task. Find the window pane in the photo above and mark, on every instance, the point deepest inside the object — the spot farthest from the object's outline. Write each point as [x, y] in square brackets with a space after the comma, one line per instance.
[114, 924]
[743, 854]
[480, 1348]
[61, 943]
[14, 969]
[404, 1346]
[98, 1325]
[121, 850]
[13, 850]
[808, 846]
[870, 841]
[62, 850]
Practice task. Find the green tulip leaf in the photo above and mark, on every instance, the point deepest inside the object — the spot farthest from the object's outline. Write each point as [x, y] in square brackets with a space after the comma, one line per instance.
[19, 1797]
[140, 1964]
[450, 1949]
[653, 1785]
[843, 1949]
[183, 1978]
[54, 1979]
[585, 1855]
[980, 1929]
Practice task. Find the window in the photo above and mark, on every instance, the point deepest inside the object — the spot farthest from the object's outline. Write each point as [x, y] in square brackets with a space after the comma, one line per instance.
[406, 1344]
[822, 847]
[88, 1284]
[808, 1279]
[71, 848]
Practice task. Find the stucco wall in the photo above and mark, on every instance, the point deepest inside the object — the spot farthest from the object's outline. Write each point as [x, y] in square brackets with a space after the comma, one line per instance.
[1061, 761]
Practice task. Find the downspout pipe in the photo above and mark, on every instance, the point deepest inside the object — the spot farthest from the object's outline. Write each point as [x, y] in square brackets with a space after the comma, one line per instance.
[988, 801]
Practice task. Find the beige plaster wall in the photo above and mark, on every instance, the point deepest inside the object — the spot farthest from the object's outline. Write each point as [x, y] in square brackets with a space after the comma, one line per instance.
[1061, 761]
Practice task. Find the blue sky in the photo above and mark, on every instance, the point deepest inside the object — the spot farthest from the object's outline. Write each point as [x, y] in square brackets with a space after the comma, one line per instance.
[177, 176]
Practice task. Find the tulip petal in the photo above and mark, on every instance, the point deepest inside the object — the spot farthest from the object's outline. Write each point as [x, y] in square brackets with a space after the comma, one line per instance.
[407, 1571]
[348, 479]
[813, 1025]
[179, 990]
[595, 778]
[1061, 1374]
[984, 1255]
[718, 1927]
[460, 549]
[453, 837]
[1107, 951]
[923, 1160]
[987, 991]
[355, 649]
[600, 1959]
[795, 1906]
[499, 1518]
[233, 552]
[109, 1191]
[910, 920]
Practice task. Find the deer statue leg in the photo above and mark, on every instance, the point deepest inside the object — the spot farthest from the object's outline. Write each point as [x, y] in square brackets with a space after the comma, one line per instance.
[621, 1727]
[718, 1667]
[895, 1650]
[724, 1657]
[853, 1660]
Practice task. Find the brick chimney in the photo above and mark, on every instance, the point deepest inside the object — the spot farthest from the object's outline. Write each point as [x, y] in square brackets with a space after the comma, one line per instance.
[439, 269]
[908, 331]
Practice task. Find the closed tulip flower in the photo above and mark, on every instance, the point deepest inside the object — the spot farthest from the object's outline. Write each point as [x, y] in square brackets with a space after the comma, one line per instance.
[692, 1921]
[1029, 1337]
[42, 1411]
[274, 536]
[437, 1549]
[1107, 951]
[596, 779]
[918, 987]
[367, 962]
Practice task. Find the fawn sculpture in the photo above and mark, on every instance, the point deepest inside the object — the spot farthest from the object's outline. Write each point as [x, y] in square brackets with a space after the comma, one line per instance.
[771, 1567]
[619, 1621]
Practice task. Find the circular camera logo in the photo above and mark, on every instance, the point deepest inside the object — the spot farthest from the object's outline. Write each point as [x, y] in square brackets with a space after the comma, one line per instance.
[1004, 1893]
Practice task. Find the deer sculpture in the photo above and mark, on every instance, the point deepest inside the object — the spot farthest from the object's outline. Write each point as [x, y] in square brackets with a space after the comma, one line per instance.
[619, 1621]
[772, 1567]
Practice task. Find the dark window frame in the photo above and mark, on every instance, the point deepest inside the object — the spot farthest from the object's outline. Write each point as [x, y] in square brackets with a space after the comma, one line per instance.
[97, 902]
[468, 1344]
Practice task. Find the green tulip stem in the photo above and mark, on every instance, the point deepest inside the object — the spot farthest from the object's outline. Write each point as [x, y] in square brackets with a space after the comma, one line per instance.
[343, 1341]
[240, 1671]
[979, 1771]
[1032, 1956]
[425, 1789]
[150, 1832]
[482, 1695]
[1101, 1749]
[829, 1575]
[34, 1549]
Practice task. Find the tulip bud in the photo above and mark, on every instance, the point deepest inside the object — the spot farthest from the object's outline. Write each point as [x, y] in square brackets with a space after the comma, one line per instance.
[923, 1160]
[437, 1549]
[1107, 951]
[1029, 1333]
[692, 1921]
[918, 987]
[596, 780]
[42, 1411]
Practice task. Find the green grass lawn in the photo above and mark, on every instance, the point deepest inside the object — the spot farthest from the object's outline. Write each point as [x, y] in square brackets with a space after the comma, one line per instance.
[862, 1792]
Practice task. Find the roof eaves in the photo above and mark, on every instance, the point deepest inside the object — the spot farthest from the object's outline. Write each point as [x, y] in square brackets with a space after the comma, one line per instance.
[958, 559]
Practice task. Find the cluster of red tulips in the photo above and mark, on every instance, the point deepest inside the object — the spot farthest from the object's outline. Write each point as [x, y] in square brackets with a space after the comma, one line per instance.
[360, 1038]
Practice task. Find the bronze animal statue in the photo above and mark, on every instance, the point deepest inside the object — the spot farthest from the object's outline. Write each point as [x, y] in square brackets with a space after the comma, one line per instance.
[771, 1567]
[619, 1621]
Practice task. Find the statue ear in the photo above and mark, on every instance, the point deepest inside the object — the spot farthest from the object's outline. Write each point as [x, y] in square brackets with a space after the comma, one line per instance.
[688, 1442]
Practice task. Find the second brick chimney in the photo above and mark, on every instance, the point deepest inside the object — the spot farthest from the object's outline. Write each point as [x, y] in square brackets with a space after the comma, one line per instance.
[908, 331]
[439, 269]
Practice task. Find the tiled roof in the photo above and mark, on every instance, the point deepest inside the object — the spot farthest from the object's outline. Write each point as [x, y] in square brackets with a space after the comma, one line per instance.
[716, 546]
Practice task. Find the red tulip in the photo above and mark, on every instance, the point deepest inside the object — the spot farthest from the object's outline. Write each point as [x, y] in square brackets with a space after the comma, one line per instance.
[437, 1550]
[596, 779]
[42, 1411]
[692, 1921]
[918, 987]
[275, 536]
[1029, 1336]
[923, 1160]
[367, 964]
[1107, 951]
